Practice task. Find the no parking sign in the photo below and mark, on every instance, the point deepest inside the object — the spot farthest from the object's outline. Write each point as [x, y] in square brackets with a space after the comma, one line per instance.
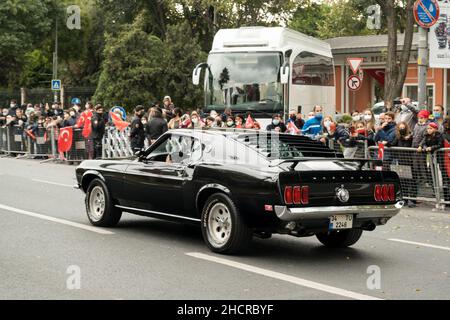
[426, 12]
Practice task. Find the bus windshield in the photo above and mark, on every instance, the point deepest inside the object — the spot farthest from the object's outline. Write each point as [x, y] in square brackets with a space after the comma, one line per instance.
[244, 82]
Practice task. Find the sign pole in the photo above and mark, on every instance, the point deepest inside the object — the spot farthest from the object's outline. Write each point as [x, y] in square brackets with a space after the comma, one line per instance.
[422, 67]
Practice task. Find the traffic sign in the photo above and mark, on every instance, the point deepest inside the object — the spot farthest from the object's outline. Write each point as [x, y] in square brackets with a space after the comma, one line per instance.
[354, 83]
[355, 64]
[426, 12]
[56, 85]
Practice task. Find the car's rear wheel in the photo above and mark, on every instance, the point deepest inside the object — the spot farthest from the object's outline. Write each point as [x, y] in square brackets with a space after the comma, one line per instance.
[223, 228]
[100, 209]
[340, 239]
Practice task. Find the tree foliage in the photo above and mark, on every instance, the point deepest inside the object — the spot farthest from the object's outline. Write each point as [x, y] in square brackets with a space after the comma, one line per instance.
[136, 51]
[132, 70]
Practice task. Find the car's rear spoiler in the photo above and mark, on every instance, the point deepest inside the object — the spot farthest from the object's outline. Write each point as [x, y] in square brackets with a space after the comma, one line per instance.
[295, 162]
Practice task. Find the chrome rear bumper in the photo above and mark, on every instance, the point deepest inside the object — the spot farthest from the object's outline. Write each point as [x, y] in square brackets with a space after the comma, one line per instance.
[362, 211]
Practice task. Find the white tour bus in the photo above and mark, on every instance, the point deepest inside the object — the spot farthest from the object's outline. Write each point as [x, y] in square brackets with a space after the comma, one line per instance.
[267, 71]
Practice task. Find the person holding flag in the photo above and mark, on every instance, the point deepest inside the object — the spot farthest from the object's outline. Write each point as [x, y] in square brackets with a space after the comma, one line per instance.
[84, 121]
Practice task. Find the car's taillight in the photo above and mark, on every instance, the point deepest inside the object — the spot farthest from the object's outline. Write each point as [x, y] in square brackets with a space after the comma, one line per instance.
[305, 195]
[378, 193]
[384, 192]
[296, 195]
[288, 195]
[391, 192]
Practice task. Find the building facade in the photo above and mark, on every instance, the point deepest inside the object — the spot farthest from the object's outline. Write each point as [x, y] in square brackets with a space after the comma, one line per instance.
[373, 49]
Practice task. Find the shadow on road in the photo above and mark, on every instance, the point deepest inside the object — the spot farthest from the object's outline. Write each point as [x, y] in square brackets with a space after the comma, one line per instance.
[284, 249]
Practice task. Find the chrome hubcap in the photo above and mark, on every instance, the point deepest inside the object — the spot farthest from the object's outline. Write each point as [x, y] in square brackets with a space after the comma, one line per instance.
[219, 224]
[97, 204]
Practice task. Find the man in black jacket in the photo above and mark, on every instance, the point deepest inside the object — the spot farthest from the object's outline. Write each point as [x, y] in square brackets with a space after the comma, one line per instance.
[137, 134]
[156, 126]
[98, 130]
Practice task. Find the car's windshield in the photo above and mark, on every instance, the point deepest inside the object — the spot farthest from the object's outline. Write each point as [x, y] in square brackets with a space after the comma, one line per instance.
[244, 81]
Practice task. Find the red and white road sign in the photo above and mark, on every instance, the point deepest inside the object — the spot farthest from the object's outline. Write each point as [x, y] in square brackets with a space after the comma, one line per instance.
[354, 83]
[355, 64]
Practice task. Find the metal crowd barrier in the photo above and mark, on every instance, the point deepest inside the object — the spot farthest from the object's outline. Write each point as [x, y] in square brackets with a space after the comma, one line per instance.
[423, 176]
[4, 141]
[78, 151]
[116, 144]
[359, 151]
[442, 174]
[40, 144]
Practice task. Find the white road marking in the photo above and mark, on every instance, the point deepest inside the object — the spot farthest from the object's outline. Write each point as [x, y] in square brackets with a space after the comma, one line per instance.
[420, 244]
[283, 277]
[54, 183]
[57, 220]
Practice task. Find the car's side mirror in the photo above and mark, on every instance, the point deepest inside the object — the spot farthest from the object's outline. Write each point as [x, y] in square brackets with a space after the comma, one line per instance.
[284, 73]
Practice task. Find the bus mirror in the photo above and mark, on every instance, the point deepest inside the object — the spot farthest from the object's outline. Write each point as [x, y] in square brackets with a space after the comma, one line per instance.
[284, 74]
[197, 72]
[196, 77]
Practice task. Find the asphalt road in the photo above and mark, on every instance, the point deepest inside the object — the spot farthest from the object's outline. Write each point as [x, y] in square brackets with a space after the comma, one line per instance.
[45, 236]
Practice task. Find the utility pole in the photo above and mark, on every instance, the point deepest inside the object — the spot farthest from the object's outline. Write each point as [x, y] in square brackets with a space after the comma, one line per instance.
[422, 65]
[55, 61]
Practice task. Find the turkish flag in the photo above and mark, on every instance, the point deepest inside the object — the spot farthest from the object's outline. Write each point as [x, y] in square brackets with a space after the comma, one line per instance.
[380, 151]
[447, 157]
[292, 128]
[377, 74]
[85, 122]
[249, 123]
[65, 139]
[118, 122]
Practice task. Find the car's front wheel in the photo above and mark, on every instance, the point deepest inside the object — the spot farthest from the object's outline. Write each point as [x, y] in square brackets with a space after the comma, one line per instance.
[100, 208]
[223, 228]
[340, 239]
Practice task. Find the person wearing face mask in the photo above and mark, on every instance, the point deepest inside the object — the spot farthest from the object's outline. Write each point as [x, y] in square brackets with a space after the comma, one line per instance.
[3, 116]
[296, 119]
[70, 120]
[406, 113]
[386, 135]
[230, 122]
[196, 122]
[403, 136]
[313, 127]
[438, 117]
[12, 108]
[276, 125]
[356, 117]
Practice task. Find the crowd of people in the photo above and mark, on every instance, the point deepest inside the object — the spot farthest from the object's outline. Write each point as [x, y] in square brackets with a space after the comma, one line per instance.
[400, 126]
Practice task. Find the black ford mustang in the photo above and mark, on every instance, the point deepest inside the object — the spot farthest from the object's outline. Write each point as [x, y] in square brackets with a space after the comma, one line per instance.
[242, 184]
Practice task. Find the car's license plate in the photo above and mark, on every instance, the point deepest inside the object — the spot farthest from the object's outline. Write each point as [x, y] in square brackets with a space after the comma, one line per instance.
[341, 222]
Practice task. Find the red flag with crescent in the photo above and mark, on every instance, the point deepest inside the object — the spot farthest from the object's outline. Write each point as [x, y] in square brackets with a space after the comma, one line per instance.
[87, 128]
[380, 151]
[65, 139]
[118, 122]
[447, 157]
[292, 128]
[249, 123]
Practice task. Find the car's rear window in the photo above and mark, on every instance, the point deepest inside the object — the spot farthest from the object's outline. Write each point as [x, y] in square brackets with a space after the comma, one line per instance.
[280, 146]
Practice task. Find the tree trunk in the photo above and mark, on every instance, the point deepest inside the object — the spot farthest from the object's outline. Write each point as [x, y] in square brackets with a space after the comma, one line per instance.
[396, 70]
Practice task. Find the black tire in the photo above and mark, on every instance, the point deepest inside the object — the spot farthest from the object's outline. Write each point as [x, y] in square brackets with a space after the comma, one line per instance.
[110, 215]
[341, 239]
[239, 235]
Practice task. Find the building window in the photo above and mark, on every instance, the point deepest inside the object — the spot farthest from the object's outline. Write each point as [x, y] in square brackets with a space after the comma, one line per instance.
[412, 92]
[310, 69]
